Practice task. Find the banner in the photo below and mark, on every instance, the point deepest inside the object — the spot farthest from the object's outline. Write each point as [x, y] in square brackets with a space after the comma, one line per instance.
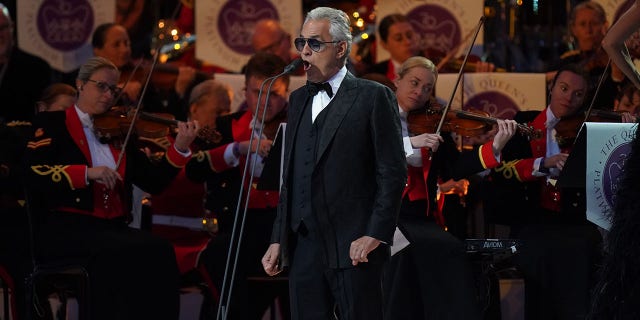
[499, 94]
[608, 148]
[59, 31]
[441, 24]
[224, 28]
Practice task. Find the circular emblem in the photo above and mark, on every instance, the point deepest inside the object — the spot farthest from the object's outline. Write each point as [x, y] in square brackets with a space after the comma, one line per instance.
[612, 175]
[65, 25]
[439, 28]
[237, 20]
[495, 103]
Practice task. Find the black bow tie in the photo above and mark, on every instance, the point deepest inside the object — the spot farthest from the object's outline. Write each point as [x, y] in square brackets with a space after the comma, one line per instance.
[314, 88]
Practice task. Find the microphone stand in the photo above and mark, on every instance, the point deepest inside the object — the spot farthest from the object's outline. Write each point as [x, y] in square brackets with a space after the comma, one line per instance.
[222, 306]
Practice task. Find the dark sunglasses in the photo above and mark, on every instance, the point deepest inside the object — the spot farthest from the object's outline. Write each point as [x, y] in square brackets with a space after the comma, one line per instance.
[103, 86]
[315, 44]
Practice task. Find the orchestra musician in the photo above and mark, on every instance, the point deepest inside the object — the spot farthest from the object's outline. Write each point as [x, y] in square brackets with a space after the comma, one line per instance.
[222, 169]
[111, 41]
[81, 198]
[431, 277]
[398, 37]
[561, 245]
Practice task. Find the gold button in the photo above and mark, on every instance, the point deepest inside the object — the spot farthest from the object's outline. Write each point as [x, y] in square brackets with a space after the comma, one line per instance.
[77, 200]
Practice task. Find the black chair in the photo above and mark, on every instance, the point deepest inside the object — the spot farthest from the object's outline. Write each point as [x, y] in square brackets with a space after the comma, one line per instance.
[62, 278]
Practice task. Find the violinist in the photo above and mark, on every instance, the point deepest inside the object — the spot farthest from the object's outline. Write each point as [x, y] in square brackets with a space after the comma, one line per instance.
[399, 38]
[81, 194]
[111, 41]
[221, 167]
[561, 244]
[432, 252]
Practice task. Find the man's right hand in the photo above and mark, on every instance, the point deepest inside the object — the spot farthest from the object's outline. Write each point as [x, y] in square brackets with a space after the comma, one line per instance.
[271, 260]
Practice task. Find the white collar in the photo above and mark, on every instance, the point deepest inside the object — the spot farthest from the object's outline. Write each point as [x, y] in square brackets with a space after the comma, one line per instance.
[551, 119]
[336, 80]
[85, 118]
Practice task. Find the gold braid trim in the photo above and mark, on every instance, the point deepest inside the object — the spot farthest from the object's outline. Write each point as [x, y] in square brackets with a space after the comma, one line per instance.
[56, 173]
[508, 170]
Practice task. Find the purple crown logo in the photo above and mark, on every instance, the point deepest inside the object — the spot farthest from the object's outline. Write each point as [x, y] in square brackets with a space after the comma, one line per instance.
[613, 169]
[495, 103]
[65, 24]
[237, 21]
[439, 28]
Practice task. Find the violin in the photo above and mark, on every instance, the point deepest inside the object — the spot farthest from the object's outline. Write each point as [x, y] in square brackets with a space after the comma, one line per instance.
[568, 127]
[470, 123]
[113, 125]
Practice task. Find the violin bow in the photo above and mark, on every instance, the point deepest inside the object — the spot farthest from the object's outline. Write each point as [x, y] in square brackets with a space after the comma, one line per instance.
[595, 93]
[154, 62]
[455, 87]
[454, 50]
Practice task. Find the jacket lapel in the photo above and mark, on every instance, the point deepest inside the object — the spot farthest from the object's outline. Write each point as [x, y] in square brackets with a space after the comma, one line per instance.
[77, 132]
[339, 107]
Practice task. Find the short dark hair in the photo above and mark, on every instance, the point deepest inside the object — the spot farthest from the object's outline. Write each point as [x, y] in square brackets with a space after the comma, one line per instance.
[99, 35]
[573, 68]
[387, 22]
[265, 65]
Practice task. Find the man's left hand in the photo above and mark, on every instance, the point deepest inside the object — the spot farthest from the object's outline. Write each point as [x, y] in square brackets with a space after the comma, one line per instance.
[361, 247]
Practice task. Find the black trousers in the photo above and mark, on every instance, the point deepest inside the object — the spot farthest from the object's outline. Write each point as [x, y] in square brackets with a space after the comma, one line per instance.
[319, 292]
[133, 274]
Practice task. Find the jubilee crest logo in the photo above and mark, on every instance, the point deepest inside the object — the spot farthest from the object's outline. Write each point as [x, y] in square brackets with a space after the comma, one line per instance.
[438, 26]
[65, 25]
[237, 20]
[495, 103]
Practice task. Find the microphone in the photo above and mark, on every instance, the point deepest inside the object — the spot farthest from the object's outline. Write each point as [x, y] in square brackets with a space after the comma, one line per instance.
[224, 295]
[295, 64]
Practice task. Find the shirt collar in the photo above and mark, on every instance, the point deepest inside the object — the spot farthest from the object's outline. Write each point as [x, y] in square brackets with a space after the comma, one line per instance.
[551, 119]
[403, 114]
[85, 118]
[336, 80]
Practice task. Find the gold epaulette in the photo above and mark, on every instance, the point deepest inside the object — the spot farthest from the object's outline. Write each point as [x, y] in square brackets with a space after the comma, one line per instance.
[17, 123]
[570, 53]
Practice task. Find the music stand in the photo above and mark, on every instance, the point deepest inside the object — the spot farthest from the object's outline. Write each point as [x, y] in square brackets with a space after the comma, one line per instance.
[573, 177]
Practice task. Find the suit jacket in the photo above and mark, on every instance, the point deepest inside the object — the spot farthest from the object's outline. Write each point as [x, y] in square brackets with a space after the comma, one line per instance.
[359, 174]
[24, 79]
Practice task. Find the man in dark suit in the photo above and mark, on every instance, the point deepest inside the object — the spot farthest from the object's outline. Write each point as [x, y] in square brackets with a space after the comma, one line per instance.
[344, 173]
[22, 75]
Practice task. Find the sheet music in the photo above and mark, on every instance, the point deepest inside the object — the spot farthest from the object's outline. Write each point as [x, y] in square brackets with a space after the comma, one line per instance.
[399, 241]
